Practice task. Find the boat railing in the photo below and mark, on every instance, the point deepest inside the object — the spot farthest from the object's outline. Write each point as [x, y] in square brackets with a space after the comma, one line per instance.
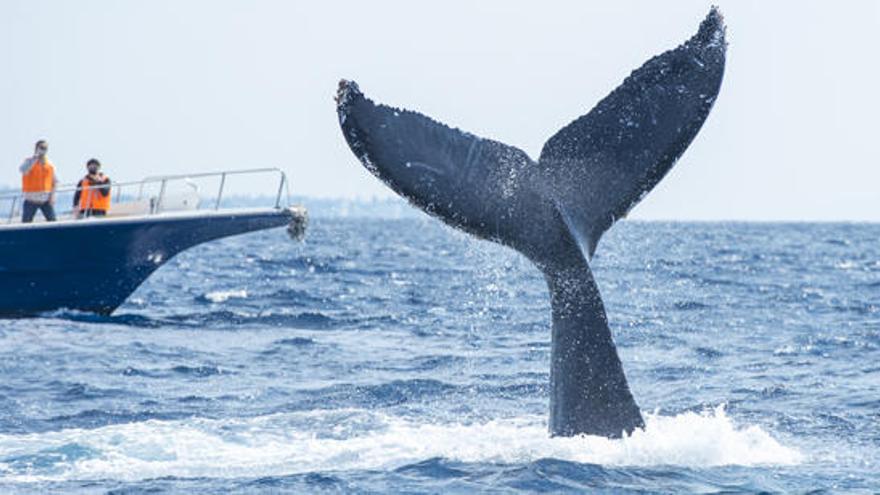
[158, 202]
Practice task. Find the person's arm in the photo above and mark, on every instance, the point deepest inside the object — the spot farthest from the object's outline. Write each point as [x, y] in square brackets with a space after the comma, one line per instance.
[26, 165]
[105, 186]
[76, 195]
[54, 187]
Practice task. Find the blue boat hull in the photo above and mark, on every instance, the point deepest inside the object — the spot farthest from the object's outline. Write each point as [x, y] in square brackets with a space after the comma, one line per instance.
[95, 265]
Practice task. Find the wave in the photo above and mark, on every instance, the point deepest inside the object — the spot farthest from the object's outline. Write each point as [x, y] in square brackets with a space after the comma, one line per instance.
[222, 296]
[233, 319]
[228, 317]
[690, 306]
[388, 394]
[708, 352]
[295, 342]
[198, 371]
[125, 319]
[358, 439]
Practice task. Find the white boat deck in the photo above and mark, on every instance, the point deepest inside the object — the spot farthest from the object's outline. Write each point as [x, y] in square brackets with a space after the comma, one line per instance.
[157, 198]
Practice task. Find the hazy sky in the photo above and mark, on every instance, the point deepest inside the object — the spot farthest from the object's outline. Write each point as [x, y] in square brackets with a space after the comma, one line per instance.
[155, 87]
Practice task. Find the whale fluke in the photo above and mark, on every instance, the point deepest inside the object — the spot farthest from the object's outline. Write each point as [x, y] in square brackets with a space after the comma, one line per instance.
[555, 210]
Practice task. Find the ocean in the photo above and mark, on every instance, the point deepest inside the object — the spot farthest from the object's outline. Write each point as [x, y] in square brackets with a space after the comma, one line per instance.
[400, 356]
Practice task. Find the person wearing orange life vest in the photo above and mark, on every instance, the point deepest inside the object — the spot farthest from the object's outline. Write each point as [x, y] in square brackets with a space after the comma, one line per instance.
[92, 198]
[38, 183]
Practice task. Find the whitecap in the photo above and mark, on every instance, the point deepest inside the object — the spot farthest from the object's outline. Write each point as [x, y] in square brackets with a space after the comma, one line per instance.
[334, 440]
[225, 295]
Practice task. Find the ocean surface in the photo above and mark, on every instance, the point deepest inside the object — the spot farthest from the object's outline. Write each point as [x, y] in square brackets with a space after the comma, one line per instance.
[399, 356]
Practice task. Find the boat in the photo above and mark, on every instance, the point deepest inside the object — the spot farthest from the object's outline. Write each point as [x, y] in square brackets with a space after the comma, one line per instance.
[94, 264]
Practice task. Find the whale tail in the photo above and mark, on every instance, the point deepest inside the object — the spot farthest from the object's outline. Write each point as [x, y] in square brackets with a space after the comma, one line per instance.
[555, 210]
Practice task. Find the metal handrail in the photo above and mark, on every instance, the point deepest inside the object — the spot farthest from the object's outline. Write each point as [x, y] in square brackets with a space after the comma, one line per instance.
[163, 180]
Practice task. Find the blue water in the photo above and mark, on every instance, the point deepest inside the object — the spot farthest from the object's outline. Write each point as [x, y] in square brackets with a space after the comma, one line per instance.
[391, 356]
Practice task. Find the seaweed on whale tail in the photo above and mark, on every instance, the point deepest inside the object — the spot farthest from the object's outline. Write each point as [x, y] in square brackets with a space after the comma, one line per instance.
[555, 210]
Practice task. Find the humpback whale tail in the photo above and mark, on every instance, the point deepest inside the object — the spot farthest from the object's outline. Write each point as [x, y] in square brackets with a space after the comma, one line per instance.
[555, 210]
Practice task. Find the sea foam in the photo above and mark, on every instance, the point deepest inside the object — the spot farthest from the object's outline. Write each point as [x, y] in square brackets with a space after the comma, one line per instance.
[354, 439]
[225, 295]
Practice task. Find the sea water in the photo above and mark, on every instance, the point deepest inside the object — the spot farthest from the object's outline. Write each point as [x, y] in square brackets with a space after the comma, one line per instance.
[391, 356]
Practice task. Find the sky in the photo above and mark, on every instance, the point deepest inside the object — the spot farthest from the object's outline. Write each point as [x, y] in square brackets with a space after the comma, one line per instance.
[156, 87]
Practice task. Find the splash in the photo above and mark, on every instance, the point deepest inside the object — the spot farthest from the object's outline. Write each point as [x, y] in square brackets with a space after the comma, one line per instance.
[225, 295]
[354, 439]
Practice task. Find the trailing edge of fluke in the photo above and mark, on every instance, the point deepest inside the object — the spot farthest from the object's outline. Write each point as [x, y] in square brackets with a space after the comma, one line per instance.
[555, 210]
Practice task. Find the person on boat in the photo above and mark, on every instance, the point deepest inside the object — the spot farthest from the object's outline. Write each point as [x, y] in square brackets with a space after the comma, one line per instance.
[38, 184]
[92, 197]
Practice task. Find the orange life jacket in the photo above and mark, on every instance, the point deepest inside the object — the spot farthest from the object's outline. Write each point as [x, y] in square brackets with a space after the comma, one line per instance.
[90, 197]
[40, 178]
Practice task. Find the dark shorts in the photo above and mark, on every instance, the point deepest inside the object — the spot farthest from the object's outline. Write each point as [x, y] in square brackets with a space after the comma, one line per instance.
[29, 210]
